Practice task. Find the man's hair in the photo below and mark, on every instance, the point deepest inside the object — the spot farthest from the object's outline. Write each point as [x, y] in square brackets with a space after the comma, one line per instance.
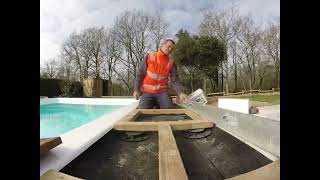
[169, 40]
[165, 42]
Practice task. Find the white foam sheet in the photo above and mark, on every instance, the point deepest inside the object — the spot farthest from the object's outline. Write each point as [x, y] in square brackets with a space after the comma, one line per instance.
[237, 105]
[78, 140]
[95, 101]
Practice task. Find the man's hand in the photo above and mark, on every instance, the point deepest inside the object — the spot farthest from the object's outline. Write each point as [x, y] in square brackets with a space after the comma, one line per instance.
[136, 95]
[183, 98]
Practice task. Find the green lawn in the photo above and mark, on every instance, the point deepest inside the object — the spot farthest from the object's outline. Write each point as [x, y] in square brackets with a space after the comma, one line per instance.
[273, 99]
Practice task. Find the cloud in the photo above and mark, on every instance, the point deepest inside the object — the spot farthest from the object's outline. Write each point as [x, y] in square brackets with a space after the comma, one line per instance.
[48, 48]
[59, 18]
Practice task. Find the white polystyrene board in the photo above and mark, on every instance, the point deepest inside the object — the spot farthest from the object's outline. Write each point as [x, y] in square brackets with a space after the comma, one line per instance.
[78, 140]
[48, 101]
[238, 105]
[94, 101]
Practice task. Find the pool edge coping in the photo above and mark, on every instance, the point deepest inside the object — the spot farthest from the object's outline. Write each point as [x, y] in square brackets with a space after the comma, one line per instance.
[63, 154]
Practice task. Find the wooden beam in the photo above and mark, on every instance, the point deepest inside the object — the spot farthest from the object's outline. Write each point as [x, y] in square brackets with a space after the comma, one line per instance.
[153, 126]
[193, 115]
[133, 112]
[131, 116]
[54, 175]
[162, 111]
[213, 94]
[268, 172]
[170, 163]
[48, 143]
[193, 124]
[136, 126]
[236, 93]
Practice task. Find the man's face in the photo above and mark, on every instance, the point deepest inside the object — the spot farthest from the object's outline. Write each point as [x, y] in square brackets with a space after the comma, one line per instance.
[168, 47]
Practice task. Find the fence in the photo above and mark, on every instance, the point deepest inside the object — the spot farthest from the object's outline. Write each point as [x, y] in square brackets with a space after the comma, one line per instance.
[57, 87]
[50, 87]
[243, 92]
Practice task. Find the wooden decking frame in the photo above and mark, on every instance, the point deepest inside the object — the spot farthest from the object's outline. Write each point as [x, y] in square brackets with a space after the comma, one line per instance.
[170, 162]
[128, 123]
[48, 143]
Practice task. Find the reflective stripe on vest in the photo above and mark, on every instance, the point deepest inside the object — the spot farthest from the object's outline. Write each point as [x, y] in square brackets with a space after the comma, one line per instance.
[155, 76]
[154, 87]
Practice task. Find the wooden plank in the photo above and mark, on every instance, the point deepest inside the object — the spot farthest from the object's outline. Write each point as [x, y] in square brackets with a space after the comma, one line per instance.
[53, 175]
[253, 91]
[153, 126]
[162, 111]
[131, 116]
[194, 124]
[133, 112]
[48, 143]
[193, 115]
[213, 94]
[236, 93]
[266, 91]
[136, 126]
[170, 163]
[268, 172]
[196, 116]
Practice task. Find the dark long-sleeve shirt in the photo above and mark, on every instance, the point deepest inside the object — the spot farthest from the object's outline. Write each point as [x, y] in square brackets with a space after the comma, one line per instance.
[174, 78]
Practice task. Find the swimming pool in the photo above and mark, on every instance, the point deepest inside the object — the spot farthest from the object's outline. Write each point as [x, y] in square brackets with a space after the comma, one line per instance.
[77, 140]
[59, 118]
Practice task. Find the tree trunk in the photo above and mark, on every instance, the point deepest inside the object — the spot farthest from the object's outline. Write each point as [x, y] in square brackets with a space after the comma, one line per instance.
[204, 85]
[261, 83]
[221, 77]
[191, 83]
[278, 78]
[227, 78]
[217, 80]
[212, 84]
[241, 80]
[227, 86]
[110, 87]
[235, 79]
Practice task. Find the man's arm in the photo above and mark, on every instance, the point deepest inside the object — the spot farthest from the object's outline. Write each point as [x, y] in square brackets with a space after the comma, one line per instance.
[141, 74]
[175, 80]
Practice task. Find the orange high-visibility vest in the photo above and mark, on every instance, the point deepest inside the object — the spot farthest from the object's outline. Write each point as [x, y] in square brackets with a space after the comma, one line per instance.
[158, 68]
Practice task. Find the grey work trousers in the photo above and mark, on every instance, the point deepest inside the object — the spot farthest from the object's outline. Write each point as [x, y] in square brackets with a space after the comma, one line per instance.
[162, 100]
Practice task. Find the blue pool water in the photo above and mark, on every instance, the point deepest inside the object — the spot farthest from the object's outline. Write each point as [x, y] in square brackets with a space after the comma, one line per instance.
[58, 118]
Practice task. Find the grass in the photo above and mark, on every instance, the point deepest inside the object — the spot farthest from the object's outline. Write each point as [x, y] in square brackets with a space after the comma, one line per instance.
[273, 99]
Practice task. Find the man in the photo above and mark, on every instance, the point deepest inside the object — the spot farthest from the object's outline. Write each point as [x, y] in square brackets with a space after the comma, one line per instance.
[152, 79]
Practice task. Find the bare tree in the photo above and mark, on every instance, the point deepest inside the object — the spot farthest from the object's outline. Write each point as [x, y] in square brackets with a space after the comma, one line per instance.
[271, 41]
[133, 31]
[86, 51]
[234, 53]
[250, 41]
[71, 52]
[159, 29]
[223, 24]
[66, 69]
[50, 69]
[91, 48]
[111, 53]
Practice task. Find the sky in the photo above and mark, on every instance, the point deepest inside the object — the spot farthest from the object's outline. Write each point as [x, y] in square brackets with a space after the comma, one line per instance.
[59, 18]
